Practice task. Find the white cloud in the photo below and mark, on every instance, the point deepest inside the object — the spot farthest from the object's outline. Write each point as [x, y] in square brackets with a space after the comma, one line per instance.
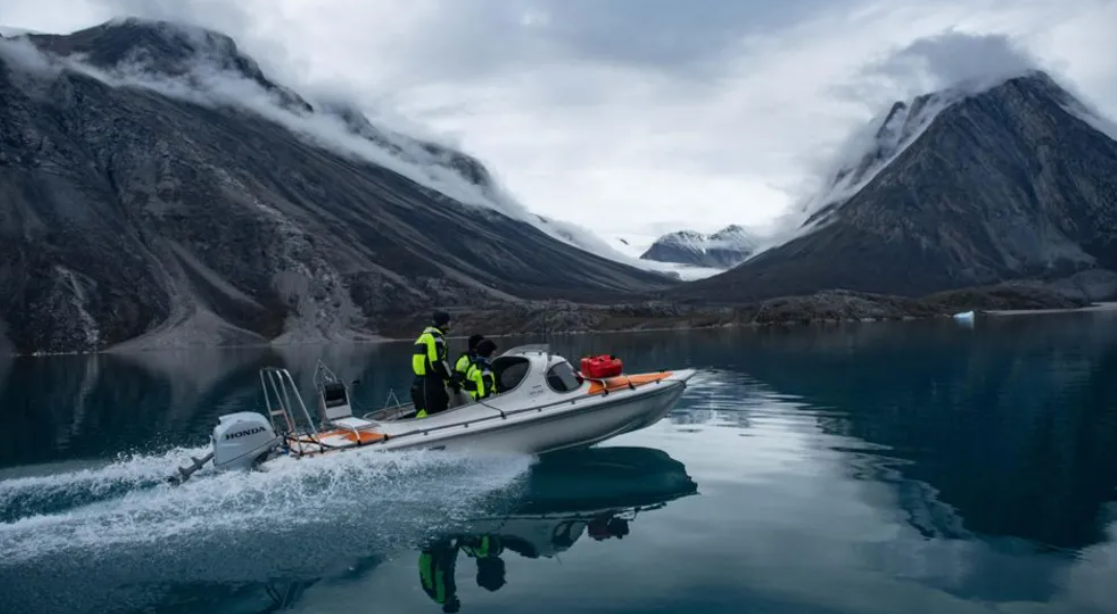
[623, 116]
[8, 31]
[23, 55]
[954, 58]
[208, 85]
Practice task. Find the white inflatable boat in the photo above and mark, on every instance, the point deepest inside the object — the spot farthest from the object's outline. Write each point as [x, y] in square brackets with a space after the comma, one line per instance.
[543, 404]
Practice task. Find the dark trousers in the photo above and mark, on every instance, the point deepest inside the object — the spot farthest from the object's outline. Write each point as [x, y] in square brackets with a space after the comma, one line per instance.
[429, 393]
[417, 396]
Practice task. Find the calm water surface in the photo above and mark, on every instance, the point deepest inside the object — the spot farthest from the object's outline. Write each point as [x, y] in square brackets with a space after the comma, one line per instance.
[923, 467]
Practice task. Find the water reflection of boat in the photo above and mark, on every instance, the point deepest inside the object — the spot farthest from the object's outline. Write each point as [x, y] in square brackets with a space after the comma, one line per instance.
[603, 477]
[596, 493]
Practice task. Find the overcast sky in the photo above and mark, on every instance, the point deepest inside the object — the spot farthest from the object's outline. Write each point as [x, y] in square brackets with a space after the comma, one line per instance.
[636, 116]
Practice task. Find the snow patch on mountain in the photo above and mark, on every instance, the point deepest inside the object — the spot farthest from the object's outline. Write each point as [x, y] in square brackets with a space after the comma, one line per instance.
[721, 250]
[733, 237]
[687, 240]
[870, 150]
[633, 245]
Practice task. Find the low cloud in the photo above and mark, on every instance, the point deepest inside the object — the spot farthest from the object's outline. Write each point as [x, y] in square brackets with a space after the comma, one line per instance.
[951, 64]
[207, 84]
[953, 59]
[22, 56]
[625, 115]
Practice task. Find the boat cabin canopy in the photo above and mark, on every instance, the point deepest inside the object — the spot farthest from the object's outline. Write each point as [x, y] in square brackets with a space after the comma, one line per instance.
[534, 365]
[512, 367]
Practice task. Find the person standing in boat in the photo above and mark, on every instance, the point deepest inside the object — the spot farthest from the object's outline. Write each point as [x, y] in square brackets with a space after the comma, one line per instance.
[431, 365]
[480, 381]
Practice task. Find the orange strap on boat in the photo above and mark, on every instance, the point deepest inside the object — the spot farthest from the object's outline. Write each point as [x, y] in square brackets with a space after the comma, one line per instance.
[604, 386]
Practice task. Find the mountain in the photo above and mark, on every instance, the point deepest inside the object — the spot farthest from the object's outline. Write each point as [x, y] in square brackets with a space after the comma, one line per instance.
[723, 249]
[159, 189]
[958, 189]
[871, 150]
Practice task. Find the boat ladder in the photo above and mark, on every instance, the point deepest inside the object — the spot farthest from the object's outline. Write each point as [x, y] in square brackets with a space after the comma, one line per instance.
[279, 387]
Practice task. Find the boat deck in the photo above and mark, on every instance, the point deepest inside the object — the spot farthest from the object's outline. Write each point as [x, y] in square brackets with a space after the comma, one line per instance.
[349, 433]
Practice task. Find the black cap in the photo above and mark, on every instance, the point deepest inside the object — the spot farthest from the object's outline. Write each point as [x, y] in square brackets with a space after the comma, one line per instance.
[440, 318]
[486, 348]
[474, 340]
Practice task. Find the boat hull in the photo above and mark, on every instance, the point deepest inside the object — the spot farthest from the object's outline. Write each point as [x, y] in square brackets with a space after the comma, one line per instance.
[551, 429]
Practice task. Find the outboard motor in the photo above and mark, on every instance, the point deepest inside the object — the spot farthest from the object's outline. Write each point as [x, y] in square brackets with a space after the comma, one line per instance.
[240, 439]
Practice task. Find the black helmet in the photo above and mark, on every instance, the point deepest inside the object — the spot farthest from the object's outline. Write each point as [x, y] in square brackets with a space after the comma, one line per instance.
[474, 340]
[486, 348]
[440, 318]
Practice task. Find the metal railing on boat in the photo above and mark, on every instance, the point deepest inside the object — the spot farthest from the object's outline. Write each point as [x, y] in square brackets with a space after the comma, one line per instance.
[282, 386]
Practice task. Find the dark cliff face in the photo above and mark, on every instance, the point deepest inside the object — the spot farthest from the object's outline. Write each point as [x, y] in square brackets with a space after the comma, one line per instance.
[129, 214]
[1002, 185]
[175, 50]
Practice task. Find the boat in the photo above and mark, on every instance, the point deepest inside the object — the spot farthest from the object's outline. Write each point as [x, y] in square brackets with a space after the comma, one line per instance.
[543, 405]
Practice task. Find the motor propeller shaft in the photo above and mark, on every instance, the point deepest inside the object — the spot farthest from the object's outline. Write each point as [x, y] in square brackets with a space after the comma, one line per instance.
[184, 473]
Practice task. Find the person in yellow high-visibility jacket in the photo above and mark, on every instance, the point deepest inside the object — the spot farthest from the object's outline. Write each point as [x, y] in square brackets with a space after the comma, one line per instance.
[480, 381]
[431, 366]
[462, 366]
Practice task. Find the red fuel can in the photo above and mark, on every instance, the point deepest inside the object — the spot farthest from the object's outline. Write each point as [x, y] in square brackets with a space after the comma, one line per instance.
[600, 367]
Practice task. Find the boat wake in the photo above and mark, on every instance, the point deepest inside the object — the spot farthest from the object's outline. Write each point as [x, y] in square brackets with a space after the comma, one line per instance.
[299, 518]
[46, 489]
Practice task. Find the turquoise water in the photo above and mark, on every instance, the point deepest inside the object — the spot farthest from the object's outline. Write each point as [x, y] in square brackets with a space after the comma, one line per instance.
[915, 467]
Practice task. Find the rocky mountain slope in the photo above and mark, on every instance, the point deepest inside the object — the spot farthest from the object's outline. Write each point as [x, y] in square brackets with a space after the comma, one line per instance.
[159, 188]
[1015, 182]
[723, 249]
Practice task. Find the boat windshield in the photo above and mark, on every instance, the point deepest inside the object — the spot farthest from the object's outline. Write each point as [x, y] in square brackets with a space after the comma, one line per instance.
[561, 377]
[510, 371]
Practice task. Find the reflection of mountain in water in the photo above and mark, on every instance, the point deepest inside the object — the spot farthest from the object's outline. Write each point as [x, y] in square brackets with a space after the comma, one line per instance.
[87, 406]
[62, 407]
[594, 493]
[1008, 430]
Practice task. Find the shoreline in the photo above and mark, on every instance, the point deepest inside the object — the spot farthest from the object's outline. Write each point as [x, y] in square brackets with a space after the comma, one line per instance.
[736, 324]
[1100, 306]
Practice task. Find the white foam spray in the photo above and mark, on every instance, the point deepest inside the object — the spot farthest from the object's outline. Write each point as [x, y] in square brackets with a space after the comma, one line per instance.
[116, 533]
